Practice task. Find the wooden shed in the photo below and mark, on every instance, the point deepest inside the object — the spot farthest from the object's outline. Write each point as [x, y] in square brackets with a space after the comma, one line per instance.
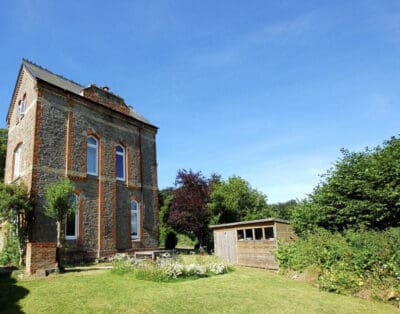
[251, 243]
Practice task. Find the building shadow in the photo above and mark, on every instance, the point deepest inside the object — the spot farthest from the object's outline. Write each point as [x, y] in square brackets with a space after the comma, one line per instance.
[10, 292]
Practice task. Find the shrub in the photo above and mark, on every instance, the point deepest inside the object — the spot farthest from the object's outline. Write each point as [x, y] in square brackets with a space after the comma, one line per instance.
[348, 262]
[10, 255]
[167, 269]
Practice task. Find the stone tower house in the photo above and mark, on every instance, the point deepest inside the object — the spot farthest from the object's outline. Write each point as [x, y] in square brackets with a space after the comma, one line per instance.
[58, 128]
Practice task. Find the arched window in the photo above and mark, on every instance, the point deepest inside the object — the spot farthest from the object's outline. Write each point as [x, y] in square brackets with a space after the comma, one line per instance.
[134, 220]
[71, 225]
[17, 162]
[120, 162]
[22, 106]
[92, 156]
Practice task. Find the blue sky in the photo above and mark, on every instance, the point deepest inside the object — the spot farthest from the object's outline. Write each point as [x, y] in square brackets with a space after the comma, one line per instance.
[267, 90]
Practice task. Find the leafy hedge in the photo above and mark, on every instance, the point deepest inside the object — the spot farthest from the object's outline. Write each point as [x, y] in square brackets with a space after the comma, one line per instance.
[348, 263]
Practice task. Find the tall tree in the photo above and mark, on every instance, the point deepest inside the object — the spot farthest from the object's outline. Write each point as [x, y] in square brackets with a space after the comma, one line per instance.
[60, 204]
[3, 148]
[188, 210]
[235, 200]
[15, 208]
[361, 191]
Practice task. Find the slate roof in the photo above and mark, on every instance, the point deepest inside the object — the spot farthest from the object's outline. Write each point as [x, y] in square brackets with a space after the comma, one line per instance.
[57, 80]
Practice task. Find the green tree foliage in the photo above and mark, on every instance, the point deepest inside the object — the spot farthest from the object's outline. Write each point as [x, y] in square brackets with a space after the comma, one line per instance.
[15, 208]
[168, 236]
[282, 210]
[3, 148]
[235, 200]
[361, 191]
[60, 204]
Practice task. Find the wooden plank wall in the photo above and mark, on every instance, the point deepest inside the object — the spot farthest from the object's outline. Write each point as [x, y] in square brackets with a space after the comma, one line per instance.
[257, 253]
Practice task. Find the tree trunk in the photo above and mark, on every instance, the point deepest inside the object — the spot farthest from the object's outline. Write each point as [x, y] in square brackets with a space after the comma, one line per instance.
[60, 246]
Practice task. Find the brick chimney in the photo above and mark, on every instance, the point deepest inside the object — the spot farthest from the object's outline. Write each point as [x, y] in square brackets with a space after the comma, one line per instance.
[103, 96]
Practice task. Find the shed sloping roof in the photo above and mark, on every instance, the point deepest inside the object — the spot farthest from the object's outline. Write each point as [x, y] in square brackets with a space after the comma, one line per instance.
[43, 74]
[250, 222]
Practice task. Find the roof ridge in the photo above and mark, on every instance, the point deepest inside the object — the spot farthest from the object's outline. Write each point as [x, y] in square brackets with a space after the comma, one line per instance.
[52, 73]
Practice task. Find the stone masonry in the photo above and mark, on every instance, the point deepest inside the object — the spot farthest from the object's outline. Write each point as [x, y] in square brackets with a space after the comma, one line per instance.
[53, 131]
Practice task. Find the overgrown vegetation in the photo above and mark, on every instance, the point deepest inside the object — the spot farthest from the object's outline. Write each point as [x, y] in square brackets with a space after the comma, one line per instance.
[15, 211]
[3, 149]
[365, 263]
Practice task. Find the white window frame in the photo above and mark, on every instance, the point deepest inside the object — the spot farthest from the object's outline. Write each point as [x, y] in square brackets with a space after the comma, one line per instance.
[95, 146]
[137, 237]
[117, 153]
[75, 235]
[22, 107]
[17, 162]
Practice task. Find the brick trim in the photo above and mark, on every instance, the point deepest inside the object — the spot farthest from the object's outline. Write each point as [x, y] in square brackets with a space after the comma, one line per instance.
[101, 201]
[36, 144]
[69, 146]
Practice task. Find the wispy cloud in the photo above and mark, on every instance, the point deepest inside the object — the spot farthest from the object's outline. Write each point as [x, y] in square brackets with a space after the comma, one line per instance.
[277, 33]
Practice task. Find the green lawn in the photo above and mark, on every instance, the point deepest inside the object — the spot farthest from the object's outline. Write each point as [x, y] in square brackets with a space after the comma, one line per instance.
[244, 290]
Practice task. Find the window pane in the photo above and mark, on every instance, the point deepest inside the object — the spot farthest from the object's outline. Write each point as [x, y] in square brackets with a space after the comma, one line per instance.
[17, 161]
[269, 232]
[70, 226]
[240, 235]
[258, 233]
[71, 223]
[91, 141]
[134, 225]
[249, 234]
[120, 166]
[91, 160]
[134, 220]
[120, 149]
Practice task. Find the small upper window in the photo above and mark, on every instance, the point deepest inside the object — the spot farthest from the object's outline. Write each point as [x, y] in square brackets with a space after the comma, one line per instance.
[120, 162]
[249, 234]
[269, 232]
[92, 156]
[17, 162]
[258, 233]
[240, 235]
[22, 106]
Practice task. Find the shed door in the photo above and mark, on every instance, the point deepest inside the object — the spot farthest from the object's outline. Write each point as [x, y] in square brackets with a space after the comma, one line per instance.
[226, 245]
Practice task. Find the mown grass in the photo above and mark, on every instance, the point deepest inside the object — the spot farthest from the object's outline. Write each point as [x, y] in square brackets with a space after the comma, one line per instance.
[243, 290]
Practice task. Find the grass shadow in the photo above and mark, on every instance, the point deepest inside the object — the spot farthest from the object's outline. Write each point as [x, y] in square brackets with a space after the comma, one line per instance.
[11, 293]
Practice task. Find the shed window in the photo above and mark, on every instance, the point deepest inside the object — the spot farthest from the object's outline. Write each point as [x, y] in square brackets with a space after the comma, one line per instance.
[120, 162]
[258, 233]
[92, 155]
[269, 232]
[240, 235]
[249, 234]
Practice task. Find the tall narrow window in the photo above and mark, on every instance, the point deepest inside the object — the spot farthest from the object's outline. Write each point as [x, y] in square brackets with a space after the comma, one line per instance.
[120, 163]
[17, 162]
[134, 220]
[71, 225]
[92, 155]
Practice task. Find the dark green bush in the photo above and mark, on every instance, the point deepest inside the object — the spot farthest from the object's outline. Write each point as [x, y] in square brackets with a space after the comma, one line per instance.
[348, 262]
[10, 252]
